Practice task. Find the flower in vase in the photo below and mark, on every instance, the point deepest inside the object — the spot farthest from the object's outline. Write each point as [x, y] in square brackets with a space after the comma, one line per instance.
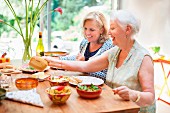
[32, 13]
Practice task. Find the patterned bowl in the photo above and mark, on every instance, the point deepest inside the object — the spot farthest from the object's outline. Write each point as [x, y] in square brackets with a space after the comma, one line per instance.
[59, 94]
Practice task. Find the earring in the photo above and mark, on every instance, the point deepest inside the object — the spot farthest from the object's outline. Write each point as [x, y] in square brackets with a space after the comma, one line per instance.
[101, 35]
[101, 39]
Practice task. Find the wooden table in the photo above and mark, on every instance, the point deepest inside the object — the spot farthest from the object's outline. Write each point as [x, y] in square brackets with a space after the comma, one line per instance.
[107, 102]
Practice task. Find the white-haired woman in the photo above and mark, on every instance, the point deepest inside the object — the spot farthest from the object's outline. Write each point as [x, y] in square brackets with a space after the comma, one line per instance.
[130, 67]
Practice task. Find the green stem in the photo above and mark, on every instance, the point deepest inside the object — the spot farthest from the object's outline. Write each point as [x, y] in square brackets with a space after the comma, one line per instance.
[31, 15]
[13, 12]
[26, 18]
[38, 12]
[13, 28]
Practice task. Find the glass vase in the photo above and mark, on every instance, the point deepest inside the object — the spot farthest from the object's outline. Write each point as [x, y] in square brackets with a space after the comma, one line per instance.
[27, 53]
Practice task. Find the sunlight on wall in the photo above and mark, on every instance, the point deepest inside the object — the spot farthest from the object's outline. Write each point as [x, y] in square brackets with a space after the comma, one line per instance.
[155, 22]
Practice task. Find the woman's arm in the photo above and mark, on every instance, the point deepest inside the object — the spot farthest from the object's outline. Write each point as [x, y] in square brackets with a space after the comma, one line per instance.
[146, 79]
[96, 64]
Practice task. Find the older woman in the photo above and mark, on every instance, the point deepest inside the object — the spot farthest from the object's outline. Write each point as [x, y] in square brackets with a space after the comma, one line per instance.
[130, 67]
[96, 41]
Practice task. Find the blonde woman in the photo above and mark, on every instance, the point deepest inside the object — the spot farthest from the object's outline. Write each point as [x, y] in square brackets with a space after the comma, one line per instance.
[95, 42]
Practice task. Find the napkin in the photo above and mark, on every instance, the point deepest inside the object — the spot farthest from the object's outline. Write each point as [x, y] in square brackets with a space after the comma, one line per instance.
[25, 96]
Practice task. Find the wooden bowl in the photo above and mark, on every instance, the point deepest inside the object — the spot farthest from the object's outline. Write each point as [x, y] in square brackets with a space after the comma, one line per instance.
[59, 94]
[26, 83]
[89, 94]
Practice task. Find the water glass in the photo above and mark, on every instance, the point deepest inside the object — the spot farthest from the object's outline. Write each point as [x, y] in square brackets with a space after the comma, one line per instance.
[5, 82]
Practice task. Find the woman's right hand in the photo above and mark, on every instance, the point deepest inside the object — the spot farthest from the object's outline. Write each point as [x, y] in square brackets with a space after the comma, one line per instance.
[52, 61]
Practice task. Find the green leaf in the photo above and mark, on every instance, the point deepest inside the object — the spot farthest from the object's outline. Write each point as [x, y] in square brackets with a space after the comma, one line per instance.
[156, 49]
[12, 21]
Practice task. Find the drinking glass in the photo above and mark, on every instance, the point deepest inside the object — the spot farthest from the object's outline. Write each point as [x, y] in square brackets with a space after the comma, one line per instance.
[5, 82]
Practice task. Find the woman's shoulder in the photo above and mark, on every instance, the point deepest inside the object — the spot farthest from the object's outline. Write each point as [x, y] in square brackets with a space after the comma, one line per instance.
[108, 44]
[140, 49]
[83, 42]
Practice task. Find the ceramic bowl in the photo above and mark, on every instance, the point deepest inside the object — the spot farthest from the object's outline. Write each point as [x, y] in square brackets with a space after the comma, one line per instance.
[59, 94]
[90, 94]
[26, 83]
[59, 81]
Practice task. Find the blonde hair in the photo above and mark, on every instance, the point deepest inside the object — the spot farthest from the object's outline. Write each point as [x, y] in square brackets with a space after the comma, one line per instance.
[101, 22]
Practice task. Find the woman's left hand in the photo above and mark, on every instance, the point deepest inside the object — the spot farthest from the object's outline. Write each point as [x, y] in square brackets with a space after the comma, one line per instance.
[123, 91]
[80, 57]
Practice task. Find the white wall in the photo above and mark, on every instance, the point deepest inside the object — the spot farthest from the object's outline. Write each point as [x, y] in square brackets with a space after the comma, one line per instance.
[155, 22]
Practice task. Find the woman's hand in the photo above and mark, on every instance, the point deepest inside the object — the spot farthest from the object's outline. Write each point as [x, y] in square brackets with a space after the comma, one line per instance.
[80, 57]
[125, 93]
[53, 61]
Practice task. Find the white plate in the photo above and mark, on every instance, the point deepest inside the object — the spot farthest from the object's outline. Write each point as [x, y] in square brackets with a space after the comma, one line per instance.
[88, 80]
[40, 75]
[24, 69]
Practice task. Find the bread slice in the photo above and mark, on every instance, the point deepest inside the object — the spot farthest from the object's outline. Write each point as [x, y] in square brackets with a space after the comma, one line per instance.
[38, 63]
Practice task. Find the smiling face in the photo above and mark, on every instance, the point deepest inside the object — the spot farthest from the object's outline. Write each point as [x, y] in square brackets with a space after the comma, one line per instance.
[117, 33]
[92, 31]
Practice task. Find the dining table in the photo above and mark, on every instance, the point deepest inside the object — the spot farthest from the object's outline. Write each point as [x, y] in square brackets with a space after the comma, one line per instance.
[107, 102]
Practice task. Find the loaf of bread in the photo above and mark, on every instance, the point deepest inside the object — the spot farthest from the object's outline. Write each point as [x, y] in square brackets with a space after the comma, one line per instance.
[38, 63]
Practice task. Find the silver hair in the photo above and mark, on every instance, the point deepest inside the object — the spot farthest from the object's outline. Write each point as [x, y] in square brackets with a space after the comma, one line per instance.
[125, 18]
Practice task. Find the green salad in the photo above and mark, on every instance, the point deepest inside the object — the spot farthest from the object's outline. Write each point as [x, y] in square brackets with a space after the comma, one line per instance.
[89, 88]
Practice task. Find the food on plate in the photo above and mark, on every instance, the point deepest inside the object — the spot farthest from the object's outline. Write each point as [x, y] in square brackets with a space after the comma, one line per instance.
[40, 75]
[9, 66]
[89, 91]
[59, 81]
[2, 65]
[38, 63]
[10, 69]
[74, 80]
[16, 72]
[28, 69]
[26, 83]
[7, 70]
[59, 94]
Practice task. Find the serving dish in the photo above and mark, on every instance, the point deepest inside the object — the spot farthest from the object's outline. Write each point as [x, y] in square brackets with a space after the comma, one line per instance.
[59, 94]
[26, 83]
[55, 53]
[28, 69]
[59, 81]
[89, 91]
[41, 76]
[87, 80]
